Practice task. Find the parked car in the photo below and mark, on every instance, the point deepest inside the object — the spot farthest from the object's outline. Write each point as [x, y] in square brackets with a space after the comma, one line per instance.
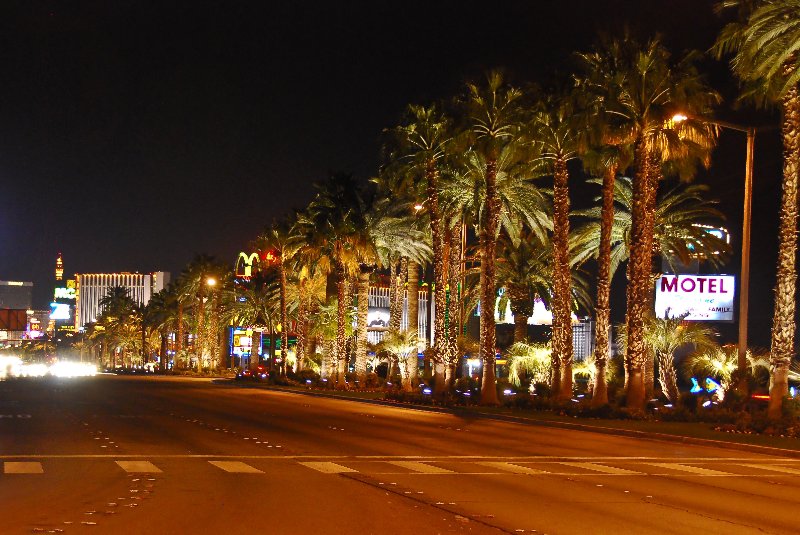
[260, 373]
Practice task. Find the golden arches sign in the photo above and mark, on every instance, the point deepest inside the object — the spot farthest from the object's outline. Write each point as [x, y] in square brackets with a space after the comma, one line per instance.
[245, 264]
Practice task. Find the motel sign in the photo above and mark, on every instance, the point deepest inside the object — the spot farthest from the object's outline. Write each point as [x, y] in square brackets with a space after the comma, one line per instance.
[702, 297]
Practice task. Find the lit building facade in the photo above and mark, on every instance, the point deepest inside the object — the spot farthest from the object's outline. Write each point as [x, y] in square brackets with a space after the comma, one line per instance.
[16, 294]
[90, 288]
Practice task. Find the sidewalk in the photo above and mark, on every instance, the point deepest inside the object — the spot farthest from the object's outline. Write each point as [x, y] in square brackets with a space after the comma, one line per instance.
[702, 434]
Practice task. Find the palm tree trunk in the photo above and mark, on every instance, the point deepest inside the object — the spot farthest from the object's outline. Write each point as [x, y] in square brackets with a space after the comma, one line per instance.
[413, 314]
[200, 337]
[302, 320]
[453, 301]
[162, 361]
[361, 323]
[783, 323]
[179, 336]
[438, 292]
[284, 320]
[341, 318]
[640, 264]
[562, 279]
[667, 377]
[488, 244]
[603, 302]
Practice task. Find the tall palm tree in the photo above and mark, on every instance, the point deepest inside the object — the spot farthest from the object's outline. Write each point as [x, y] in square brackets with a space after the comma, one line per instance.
[334, 223]
[765, 48]
[282, 240]
[555, 129]
[493, 117]
[419, 147]
[648, 86]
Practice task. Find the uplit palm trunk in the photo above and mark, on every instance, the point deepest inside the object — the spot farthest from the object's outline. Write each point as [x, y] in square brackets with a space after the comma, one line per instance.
[488, 245]
[438, 294]
[639, 264]
[302, 327]
[284, 320]
[562, 279]
[654, 175]
[396, 304]
[667, 377]
[179, 336]
[200, 340]
[603, 303]
[162, 350]
[783, 323]
[413, 314]
[452, 356]
[341, 318]
[362, 293]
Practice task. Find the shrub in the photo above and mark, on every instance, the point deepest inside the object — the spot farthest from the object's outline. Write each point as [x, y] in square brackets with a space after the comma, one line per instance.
[305, 375]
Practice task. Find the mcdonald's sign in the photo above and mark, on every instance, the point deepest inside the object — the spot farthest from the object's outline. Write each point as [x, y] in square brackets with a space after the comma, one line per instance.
[246, 265]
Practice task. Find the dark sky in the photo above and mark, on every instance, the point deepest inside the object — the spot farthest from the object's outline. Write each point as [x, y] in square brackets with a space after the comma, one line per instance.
[136, 134]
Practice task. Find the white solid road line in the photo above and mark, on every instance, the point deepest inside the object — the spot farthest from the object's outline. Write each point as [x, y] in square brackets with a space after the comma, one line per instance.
[328, 468]
[604, 469]
[236, 466]
[139, 466]
[773, 468]
[513, 468]
[691, 469]
[421, 468]
[22, 468]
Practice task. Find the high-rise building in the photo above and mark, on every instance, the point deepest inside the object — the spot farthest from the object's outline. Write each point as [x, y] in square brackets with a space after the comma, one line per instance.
[16, 294]
[90, 288]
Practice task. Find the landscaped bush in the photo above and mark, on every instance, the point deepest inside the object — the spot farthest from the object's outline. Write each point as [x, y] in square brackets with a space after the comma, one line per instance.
[305, 375]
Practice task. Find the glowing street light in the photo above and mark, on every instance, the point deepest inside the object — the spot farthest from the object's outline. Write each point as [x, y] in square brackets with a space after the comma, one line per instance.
[211, 281]
[744, 297]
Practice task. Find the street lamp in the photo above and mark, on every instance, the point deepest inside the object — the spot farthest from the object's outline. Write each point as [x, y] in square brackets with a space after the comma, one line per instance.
[744, 296]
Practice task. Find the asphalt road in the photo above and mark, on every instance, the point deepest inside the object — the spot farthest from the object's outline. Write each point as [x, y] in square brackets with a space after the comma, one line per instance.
[169, 455]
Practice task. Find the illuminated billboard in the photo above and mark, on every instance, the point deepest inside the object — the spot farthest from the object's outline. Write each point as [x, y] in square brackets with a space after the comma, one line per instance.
[701, 297]
[60, 311]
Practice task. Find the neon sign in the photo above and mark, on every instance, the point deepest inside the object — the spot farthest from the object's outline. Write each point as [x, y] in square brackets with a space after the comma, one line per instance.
[246, 265]
[60, 311]
[64, 293]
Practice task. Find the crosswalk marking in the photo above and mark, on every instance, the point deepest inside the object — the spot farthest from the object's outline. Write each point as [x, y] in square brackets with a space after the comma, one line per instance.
[236, 466]
[773, 468]
[690, 469]
[421, 468]
[328, 468]
[19, 467]
[513, 468]
[138, 466]
[603, 468]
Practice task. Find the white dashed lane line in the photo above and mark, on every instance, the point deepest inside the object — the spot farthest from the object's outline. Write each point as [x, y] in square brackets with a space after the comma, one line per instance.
[603, 468]
[421, 468]
[513, 468]
[22, 467]
[236, 467]
[328, 467]
[138, 466]
[690, 469]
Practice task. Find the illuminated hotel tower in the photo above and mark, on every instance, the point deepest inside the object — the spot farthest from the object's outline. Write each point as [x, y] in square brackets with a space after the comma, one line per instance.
[90, 288]
[59, 268]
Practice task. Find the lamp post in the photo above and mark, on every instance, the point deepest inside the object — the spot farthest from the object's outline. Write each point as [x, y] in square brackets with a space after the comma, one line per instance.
[744, 295]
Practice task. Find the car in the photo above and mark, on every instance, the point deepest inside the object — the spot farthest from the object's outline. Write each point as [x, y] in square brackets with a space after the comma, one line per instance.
[260, 373]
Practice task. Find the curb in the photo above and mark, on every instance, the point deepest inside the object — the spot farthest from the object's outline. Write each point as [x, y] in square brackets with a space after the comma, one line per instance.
[646, 435]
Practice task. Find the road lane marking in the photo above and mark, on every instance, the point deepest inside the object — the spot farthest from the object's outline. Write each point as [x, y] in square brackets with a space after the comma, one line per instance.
[22, 468]
[773, 468]
[138, 466]
[236, 466]
[604, 469]
[328, 468]
[421, 468]
[513, 468]
[691, 469]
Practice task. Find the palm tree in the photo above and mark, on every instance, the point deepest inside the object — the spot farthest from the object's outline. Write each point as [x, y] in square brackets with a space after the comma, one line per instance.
[555, 130]
[764, 44]
[283, 240]
[256, 305]
[721, 362]
[534, 362]
[664, 336]
[497, 159]
[334, 223]
[403, 346]
[418, 148]
[647, 86]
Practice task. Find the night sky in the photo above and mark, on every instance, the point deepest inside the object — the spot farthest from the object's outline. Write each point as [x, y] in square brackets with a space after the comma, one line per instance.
[136, 134]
